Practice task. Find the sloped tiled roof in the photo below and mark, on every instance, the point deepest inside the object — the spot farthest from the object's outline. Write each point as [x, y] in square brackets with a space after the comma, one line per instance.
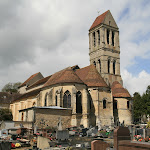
[90, 76]
[39, 82]
[119, 91]
[31, 77]
[65, 76]
[99, 20]
[7, 98]
[29, 94]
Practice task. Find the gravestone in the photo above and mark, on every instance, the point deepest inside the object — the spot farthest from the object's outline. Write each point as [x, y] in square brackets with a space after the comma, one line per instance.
[120, 134]
[62, 135]
[99, 145]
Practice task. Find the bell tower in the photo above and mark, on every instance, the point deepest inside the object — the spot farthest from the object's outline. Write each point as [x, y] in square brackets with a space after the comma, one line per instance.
[104, 48]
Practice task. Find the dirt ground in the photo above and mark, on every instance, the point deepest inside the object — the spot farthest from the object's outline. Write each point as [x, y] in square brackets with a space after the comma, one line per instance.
[23, 148]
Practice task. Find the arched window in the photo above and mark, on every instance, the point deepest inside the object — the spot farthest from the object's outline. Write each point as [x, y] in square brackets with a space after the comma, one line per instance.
[113, 36]
[104, 104]
[108, 36]
[115, 104]
[78, 102]
[94, 39]
[34, 104]
[67, 100]
[94, 63]
[56, 100]
[98, 32]
[114, 67]
[22, 116]
[108, 65]
[128, 104]
[99, 61]
[45, 102]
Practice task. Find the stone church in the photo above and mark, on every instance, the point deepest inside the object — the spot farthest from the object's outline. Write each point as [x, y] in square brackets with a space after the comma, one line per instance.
[89, 96]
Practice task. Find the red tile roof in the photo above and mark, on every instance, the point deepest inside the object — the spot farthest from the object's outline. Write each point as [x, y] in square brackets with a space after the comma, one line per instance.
[31, 77]
[64, 76]
[39, 82]
[99, 20]
[90, 76]
[119, 91]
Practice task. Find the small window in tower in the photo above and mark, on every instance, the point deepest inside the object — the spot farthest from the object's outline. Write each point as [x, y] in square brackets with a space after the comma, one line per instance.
[94, 63]
[108, 65]
[113, 35]
[99, 61]
[98, 32]
[108, 36]
[94, 39]
[115, 104]
[104, 104]
[56, 100]
[109, 22]
[114, 67]
[128, 104]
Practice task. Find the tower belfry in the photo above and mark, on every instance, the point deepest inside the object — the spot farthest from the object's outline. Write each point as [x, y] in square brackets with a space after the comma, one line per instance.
[104, 48]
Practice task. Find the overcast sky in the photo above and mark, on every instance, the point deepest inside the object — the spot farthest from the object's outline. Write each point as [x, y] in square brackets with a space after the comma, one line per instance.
[48, 35]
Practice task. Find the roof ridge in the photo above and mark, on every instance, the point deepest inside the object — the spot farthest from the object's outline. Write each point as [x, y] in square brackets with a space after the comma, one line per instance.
[99, 19]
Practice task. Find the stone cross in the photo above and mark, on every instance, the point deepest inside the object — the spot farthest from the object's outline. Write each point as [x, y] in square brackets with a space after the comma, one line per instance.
[59, 124]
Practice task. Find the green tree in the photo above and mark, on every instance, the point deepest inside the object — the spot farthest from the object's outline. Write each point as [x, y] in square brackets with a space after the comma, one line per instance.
[137, 106]
[11, 87]
[5, 115]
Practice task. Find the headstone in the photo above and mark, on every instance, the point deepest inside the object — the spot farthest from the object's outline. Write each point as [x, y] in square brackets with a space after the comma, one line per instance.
[99, 145]
[121, 133]
[62, 135]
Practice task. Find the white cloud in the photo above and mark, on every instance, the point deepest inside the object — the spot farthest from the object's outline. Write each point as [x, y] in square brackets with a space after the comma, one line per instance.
[47, 36]
[137, 83]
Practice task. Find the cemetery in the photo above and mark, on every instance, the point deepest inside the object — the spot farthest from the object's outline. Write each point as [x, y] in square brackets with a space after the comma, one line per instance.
[134, 137]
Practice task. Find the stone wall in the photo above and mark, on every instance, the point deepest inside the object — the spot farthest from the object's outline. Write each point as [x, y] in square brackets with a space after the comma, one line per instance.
[124, 113]
[51, 117]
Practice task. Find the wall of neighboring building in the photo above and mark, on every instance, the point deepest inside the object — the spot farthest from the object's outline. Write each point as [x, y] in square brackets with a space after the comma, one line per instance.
[2, 105]
[22, 89]
[22, 104]
[51, 117]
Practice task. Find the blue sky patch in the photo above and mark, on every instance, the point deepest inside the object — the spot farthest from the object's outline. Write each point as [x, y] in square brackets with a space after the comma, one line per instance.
[141, 64]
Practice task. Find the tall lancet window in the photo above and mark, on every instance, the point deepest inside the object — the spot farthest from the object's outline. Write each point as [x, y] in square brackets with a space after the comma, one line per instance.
[78, 102]
[113, 36]
[108, 65]
[99, 61]
[94, 39]
[67, 100]
[56, 100]
[114, 67]
[98, 32]
[45, 102]
[108, 36]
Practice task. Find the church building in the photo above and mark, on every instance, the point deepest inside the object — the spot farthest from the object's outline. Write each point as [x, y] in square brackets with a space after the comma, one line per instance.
[89, 96]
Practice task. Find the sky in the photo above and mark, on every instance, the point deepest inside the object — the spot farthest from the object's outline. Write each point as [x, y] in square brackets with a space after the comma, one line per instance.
[49, 35]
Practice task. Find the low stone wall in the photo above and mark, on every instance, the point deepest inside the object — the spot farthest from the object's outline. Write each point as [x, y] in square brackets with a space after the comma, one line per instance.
[51, 117]
[24, 123]
[128, 145]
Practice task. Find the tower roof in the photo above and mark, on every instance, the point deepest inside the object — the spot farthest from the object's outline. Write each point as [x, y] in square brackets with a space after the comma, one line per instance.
[99, 20]
[90, 76]
[119, 91]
